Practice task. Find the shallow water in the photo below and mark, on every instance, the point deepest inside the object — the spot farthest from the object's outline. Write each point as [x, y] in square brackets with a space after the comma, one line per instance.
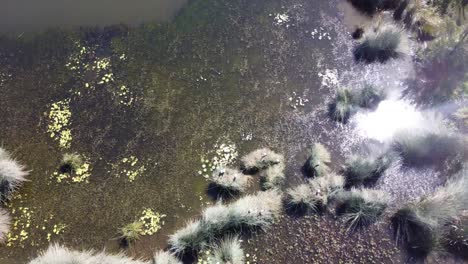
[232, 72]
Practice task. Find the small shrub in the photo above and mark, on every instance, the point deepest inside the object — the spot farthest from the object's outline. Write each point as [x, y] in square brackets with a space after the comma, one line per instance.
[230, 181]
[382, 44]
[365, 171]
[228, 251]
[56, 254]
[260, 159]
[361, 207]
[71, 162]
[12, 176]
[317, 163]
[131, 232]
[418, 224]
[273, 176]
[164, 257]
[343, 106]
[5, 222]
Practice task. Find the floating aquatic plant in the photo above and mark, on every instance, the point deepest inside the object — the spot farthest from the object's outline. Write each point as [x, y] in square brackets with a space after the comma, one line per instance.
[381, 44]
[12, 176]
[59, 123]
[5, 222]
[130, 168]
[57, 254]
[224, 155]
[260, 159]
[361, 207]
[418, 225]
[317, 163]
[152, 221]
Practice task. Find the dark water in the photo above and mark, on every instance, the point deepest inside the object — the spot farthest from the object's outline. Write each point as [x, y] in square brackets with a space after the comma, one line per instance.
[28, 15]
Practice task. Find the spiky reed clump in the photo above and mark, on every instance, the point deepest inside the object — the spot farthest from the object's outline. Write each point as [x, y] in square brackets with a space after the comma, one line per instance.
[12, 176]
[71, 162]
[314, 196]
[248, 213]
[369, 96]
[5, 222]
[273, 176]
[365, 171]
[230, 181]
[418, 225]
[427, 148]
[228, 251]
[455, 236]
[361, 207]
[317, 163]
[260, 159]
[131, 232]
[343, 106]
[164, 257]
[382, 44]
[56, 254]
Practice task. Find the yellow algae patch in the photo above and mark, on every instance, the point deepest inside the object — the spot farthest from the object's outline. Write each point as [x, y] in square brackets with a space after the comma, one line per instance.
[130, 168]
[152, 221]
[81, 174]
[59, 122]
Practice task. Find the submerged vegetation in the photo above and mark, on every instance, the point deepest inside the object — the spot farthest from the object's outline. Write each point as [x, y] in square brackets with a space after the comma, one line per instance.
[381, 44]
[12, 175]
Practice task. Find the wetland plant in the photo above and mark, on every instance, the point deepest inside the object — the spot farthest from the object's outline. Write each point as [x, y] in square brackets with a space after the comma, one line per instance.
[369, 96]
[273, 176]
[57, 254]
[418, 225]
[381, 44]
[229, 181]
[131, 232]
[228, 251]
[260, 159]
[248, 213]
[318, 161]
[361, 207]
[428, 148]
[5, 222]
[360, 170]
[370, 7]
[343, 106]
[12, 176]
[71, 162]
[164, 257]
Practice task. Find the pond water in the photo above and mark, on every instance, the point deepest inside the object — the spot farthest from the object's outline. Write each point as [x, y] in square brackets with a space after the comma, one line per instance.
[165, 96]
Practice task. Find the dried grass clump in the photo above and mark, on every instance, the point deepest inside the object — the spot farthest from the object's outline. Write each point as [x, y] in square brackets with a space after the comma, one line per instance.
[382, 44]
[365, 170]
[418, 225]
[273, 176]
[57, 254]
[260, 159]
[5, 223]
[361, 207]
[164, 257]
[317, 163]
[12, 176]
[343, 106]
[247, 213]
[230, 181]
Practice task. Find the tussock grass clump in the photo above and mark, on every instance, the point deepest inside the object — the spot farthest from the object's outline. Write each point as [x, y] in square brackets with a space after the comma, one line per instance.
[369, 96]
[314, 196]
[380, 45]
[164, 257]
[343, 106]
[427, 148]
[230, 181]
[455, 236]
[131, 232]
[57, 254]
[5, 222]
[228, 251]
[361, 207]
[365, 170]
[273, 176]
[317, 163]
[71, 162]
[260, 159]
[248, 213]
[418, 225]
[12, 176]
